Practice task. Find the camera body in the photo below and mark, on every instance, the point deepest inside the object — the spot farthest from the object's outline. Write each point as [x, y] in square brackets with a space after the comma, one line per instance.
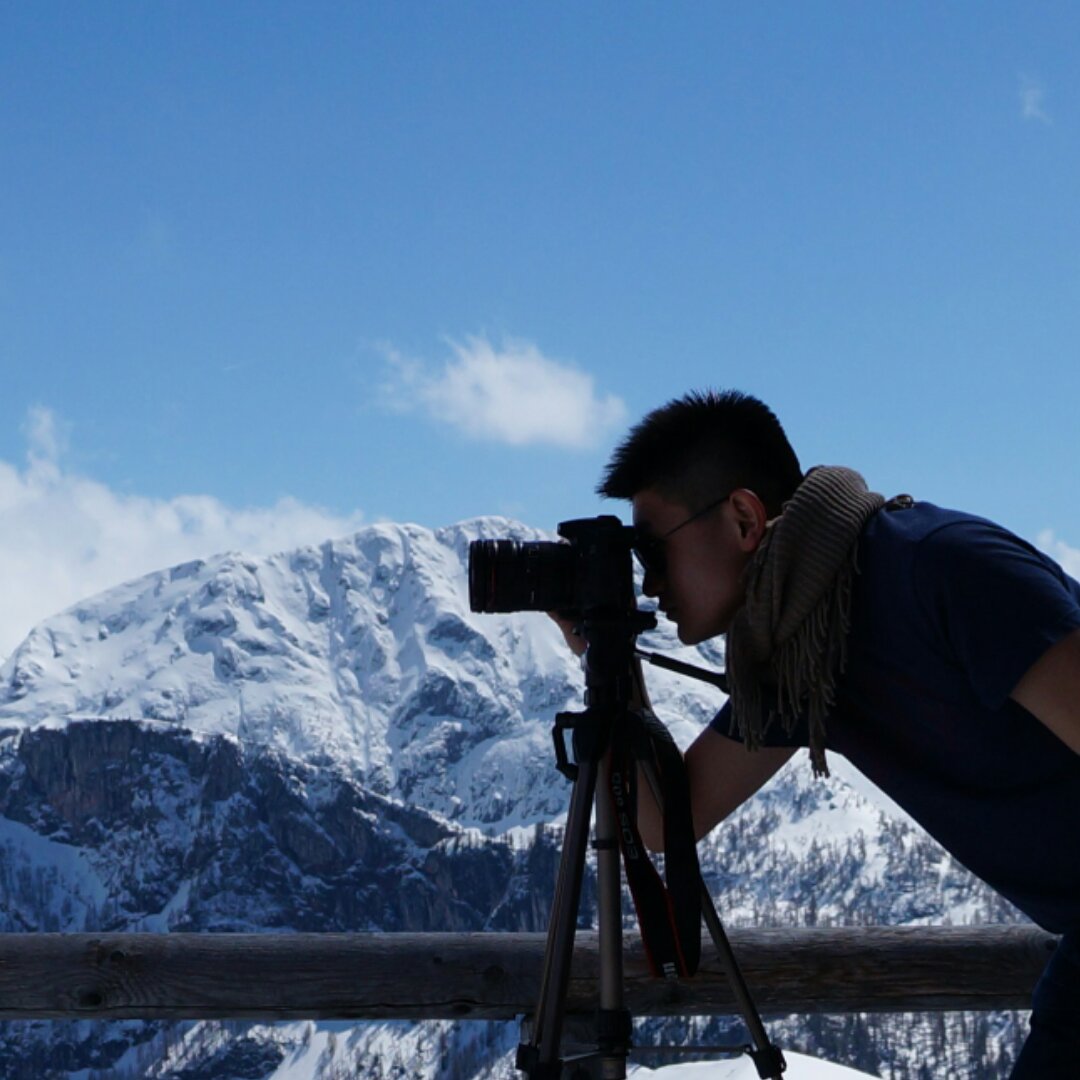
[591, 576]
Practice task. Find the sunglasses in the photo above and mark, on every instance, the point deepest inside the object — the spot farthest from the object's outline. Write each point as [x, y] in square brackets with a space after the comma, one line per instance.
[650, 549]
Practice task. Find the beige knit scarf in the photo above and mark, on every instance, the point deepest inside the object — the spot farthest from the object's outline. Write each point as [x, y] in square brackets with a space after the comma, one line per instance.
[787, 645]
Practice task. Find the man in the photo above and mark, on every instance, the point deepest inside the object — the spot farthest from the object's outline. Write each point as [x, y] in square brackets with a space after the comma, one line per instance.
[935, 650]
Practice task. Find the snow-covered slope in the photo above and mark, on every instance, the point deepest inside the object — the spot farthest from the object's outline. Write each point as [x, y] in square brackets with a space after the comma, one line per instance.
[316, 1049]
[799, 1067]
[361, 654]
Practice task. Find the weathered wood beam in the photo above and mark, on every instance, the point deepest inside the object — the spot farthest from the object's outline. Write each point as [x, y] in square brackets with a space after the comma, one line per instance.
[496, 976]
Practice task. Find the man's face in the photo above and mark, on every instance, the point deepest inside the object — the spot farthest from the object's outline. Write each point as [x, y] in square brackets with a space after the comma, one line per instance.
[700, 586]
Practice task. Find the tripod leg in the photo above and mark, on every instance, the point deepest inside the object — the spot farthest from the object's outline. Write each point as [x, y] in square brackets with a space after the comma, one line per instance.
[540, 1057]
[614, 1020]
[767, 1057]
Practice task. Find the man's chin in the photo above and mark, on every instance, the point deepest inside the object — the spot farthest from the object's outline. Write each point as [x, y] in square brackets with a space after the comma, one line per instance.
[688, 635]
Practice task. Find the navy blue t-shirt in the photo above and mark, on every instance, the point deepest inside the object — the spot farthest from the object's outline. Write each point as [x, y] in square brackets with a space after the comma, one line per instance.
[948, 613]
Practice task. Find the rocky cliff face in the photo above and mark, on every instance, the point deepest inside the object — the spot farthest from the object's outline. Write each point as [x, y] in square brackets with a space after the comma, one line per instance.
[329, 740]
[175, 832]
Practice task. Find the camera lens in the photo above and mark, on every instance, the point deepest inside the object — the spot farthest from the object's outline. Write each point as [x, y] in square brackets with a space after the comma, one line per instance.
[521, 575]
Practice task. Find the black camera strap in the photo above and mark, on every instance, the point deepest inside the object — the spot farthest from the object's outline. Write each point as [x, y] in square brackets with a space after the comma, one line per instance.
[669, 915]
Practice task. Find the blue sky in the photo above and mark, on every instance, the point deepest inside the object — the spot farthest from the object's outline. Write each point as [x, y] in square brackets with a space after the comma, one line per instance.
[268, 271]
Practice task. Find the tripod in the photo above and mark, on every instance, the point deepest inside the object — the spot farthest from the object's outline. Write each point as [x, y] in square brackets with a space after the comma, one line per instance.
[609, 681]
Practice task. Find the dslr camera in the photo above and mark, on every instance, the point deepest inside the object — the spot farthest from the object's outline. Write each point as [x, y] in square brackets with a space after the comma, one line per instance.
[590, 576]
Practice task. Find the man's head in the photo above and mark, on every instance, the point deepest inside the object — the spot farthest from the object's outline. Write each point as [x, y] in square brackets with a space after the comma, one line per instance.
[704, 472]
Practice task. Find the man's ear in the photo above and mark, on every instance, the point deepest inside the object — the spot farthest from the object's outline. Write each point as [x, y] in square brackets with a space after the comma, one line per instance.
[750, 517]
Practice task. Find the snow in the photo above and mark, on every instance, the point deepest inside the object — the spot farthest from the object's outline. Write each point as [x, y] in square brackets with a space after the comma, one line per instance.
[799, 1067]
[63, 875]
[316, 1044]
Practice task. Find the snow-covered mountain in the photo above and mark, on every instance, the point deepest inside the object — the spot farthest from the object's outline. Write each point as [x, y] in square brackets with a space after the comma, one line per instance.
[328, 739]
[361, 654]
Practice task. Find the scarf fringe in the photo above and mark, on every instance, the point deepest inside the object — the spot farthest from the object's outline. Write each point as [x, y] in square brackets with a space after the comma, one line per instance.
[787, 648]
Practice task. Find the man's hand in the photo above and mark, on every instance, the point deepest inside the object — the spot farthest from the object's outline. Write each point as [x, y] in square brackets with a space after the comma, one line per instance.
[1050, 690]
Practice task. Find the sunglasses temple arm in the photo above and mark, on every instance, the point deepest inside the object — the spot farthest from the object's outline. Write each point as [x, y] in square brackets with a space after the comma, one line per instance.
[716, 678]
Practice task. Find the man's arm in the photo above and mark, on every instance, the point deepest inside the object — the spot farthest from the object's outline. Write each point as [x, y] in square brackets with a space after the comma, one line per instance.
[1050, 690]
[722, 775]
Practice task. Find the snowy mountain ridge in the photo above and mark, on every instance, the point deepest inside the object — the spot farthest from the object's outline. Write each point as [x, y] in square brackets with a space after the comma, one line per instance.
[361, 653]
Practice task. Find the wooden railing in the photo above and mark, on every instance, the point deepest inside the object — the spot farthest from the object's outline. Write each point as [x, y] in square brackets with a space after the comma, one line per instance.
[496, 976]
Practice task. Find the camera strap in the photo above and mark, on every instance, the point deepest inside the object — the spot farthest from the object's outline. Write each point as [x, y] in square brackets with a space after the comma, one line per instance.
[669, 914]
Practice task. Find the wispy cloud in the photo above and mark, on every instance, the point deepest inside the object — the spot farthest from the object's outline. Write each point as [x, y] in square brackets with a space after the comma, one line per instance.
[1032, 95]
[1069, 557]
[64, 537]
[510, 393]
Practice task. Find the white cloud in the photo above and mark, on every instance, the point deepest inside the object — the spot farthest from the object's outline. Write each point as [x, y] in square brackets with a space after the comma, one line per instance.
[45, 436]
[1032, 93]
[1069, 557]
[511, 394]
[64, 537]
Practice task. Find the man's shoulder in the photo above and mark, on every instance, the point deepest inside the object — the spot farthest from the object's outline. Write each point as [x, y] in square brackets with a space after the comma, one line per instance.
[895, 542]
[927, 547]
[922, 522]
[930, 535]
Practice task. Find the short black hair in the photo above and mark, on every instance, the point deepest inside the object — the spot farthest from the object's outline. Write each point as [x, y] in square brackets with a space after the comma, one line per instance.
[699, 447]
